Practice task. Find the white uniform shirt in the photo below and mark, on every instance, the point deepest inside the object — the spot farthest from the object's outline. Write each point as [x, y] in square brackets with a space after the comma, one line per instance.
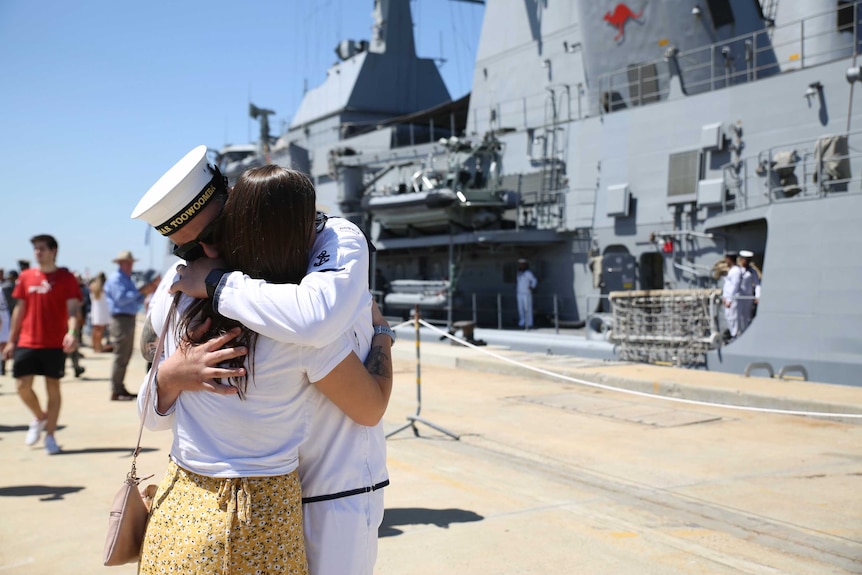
[307, 313]
[526, 282]
[731, 283]
[223, 436]
[749, 283]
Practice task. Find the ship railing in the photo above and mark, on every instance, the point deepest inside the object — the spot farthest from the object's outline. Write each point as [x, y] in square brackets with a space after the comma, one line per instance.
[697, 270]
[715, 67]
[656, 326]
[744, 58]
[800, 170]
[498, 310]
[741, 59]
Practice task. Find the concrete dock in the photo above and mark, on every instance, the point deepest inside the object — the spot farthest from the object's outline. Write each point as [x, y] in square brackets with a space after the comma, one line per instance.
[518, 463]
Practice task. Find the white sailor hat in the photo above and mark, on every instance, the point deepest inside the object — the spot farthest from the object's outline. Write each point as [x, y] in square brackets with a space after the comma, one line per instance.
[180, 194]
[746, 254]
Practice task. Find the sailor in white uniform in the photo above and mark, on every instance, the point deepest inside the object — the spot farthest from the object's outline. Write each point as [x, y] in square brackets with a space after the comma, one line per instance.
[728, 295]
[748, 290]
[342, 465]
[526, 283]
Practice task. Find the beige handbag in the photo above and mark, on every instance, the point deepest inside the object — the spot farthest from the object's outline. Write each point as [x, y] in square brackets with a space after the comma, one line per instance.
[130, 510]
[127, 523]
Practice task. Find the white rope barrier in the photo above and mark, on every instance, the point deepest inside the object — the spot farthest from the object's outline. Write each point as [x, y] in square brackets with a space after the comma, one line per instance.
[628, 391]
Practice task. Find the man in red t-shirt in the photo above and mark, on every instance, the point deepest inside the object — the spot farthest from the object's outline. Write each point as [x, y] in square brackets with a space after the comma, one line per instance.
[44, 328]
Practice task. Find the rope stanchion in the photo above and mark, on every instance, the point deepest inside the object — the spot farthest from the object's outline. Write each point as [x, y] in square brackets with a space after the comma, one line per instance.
[412, 420]
[824, 414]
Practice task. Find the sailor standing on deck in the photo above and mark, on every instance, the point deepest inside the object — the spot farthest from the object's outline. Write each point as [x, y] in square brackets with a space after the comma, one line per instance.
[728, 294]
[524, 291]
[748, 290]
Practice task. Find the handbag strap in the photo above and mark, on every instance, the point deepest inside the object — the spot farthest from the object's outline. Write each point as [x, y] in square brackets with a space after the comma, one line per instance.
[151, 377]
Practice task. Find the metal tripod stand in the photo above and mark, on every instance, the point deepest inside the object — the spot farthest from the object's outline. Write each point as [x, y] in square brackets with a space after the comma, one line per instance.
[412, 420]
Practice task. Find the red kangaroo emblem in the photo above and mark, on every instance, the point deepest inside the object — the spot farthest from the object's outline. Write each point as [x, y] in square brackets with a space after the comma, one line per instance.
[620, 16]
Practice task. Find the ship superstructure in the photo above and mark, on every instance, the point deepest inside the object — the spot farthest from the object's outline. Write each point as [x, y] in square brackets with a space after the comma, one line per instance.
[620, 147]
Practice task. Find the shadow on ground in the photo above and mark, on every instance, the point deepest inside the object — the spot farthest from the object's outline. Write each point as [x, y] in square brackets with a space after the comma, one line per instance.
[421, 516]
[43, 492]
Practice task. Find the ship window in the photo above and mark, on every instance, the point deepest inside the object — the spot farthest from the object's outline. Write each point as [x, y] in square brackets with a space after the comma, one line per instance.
[720, 12]
[845, 15]
[643, 84]
[684, 171]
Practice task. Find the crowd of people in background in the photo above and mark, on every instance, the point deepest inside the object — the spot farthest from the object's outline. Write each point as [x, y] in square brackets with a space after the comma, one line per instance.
[47, 313]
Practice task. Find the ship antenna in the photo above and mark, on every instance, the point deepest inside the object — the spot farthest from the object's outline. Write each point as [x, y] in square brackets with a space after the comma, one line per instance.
[852, 83]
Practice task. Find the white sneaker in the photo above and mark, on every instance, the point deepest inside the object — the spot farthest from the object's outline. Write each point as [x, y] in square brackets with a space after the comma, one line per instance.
[35, 431]
[51, 445]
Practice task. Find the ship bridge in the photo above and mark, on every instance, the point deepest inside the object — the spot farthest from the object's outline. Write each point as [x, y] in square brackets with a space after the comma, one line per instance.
[352, 93]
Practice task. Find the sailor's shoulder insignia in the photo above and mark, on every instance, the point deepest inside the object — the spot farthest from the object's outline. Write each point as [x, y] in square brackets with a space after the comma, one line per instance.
[343, 226]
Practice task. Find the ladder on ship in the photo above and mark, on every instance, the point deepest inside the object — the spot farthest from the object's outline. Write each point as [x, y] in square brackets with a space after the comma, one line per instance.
[549, 206]
[556, 143]
[769, 8]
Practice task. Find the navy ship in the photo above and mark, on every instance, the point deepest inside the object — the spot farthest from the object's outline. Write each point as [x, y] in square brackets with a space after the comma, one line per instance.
[622, 148]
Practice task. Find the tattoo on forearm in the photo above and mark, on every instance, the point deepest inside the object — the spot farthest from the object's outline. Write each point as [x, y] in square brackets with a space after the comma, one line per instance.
[377, 362]
[149, 339]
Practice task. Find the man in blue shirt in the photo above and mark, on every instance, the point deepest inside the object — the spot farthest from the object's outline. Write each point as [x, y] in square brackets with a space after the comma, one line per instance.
[124, 301]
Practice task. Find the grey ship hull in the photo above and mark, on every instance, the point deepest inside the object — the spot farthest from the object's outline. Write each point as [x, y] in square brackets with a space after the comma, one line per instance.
[639, 153]
[811, 317]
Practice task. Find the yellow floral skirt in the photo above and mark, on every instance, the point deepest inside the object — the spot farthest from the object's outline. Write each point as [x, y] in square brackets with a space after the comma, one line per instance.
[240, 526]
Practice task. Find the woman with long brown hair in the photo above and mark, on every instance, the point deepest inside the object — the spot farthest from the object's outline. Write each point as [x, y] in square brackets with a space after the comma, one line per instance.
[231, 500]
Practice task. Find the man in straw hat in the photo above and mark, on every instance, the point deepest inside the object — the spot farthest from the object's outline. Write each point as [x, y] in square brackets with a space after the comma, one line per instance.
[342, 465]
[124, 301]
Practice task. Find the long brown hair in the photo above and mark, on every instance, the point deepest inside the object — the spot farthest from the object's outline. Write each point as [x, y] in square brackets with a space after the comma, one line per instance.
[265, 230]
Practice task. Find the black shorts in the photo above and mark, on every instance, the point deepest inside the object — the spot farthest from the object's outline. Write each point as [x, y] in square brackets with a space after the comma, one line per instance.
[47, 362]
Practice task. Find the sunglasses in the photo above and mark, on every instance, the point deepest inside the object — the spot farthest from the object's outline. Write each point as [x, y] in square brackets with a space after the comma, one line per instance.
[193, 250]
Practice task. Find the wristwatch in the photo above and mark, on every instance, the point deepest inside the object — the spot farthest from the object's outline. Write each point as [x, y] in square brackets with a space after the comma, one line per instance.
[212, 280]
[384, 330]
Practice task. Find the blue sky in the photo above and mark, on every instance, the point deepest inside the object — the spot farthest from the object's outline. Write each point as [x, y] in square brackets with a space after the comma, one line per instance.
[99, 97]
